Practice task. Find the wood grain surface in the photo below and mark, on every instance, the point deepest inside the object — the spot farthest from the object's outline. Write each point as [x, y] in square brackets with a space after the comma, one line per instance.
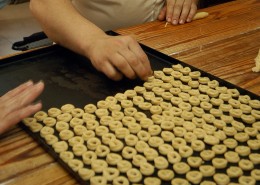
[223, 44]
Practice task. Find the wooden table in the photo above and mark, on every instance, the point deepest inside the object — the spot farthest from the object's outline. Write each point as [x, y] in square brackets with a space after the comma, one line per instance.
[223, 44]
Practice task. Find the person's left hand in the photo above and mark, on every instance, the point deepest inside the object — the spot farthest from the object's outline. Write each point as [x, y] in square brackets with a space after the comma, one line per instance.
[17, 104]
[178, 11]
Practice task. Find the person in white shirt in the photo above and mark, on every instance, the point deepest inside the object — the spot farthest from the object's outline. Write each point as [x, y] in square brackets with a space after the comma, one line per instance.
[80, 24]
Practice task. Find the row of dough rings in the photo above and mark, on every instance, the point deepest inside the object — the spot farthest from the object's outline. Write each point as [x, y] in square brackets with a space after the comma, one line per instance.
[100, 180]
[167, 136]
[46, 131]
[121, 133]
[219, 163]
[166, 174]
[232, 157]
[161, 162]
[75, 164]
[207, 155]
[51, 139]
[255, 158]
[98, 165]
[76, 121]
[54, 112]
[150, 153]
[181, 167]
[79, 149]
[114, 107]
[139, 89]
[120, 96]
[134, 175]
[246, 164]
[90, 108]
[35, 127]
[207, 170]
[254, 144]
[79, 130]
[120, 180]
[86, 174]
[86, 135]
[155, 141]
[219, 149]
[128, 152]
[256, 114]
[243, 150]
[66, 156]
[194, 162]
[165, 148]
[221, 178]
[67, 108]
[255, 174]
[141, 146]
[111, 99]
[234, 171]
[66, 134]
[75, 140]
[255, 104]
[130, 93]
[88, 157]
[246, 180]
[230, 143]
[66, 117]
[113, 158]
[134, 128]
[77, 112]
[29, 120]
[101, 112]
[60, 146]
[197, 145]
[194, 177]
[117, 115]
[103, 104]
[146, 168]
[123, 166]
[40, 115]
[102, 150]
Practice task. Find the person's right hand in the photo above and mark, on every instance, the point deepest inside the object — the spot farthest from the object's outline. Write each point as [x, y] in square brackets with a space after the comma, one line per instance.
[116, 56]
[17, 104]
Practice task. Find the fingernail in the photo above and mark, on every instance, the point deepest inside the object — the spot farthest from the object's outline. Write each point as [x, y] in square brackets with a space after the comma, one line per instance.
[181, 21]
[174, 22]
[28, 83]
[188, 20]
[168, 19]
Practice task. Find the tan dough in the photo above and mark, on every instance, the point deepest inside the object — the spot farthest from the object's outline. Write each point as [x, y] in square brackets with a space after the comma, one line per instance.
[257, 63]
[200, 15]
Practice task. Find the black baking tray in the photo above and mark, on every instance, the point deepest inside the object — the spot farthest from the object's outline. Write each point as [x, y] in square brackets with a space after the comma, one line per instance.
[70, 78]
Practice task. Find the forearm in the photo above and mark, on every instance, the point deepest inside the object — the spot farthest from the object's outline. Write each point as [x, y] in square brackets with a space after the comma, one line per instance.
[64, 25]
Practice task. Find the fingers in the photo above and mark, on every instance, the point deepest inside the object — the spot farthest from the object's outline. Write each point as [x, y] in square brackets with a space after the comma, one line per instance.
[17, 90]
[176, 11]
[185, 11]
[162, 14]
[15, 117]
[141, 66]
[111, 72]
[180, 11]
[24, 98]
[192, 12]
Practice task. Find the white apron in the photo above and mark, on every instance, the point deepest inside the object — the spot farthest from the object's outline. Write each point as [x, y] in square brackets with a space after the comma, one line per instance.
[114, 14]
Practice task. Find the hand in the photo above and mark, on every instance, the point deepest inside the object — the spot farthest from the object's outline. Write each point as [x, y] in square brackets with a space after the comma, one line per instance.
[17, 104]
[178, 11]
[116, 56]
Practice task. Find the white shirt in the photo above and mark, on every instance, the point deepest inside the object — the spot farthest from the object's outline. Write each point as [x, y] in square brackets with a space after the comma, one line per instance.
[114, 14]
